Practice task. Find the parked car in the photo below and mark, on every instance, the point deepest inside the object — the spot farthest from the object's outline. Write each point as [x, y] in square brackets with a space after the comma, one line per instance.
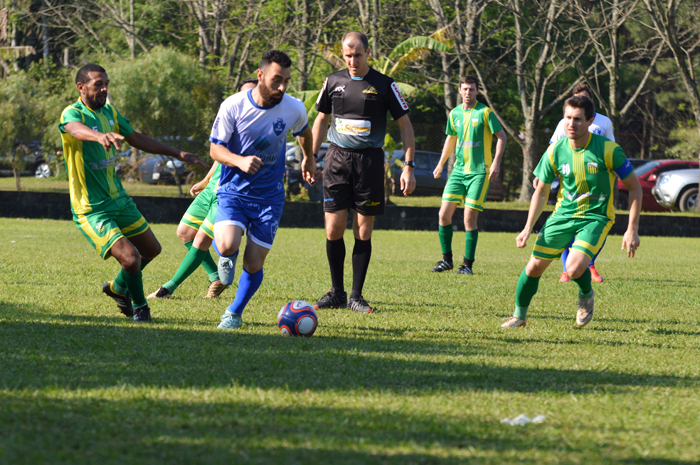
[157, 169]
[648, 173]
[426, 184]
[35, 163]
[678, 190]
[293, 173]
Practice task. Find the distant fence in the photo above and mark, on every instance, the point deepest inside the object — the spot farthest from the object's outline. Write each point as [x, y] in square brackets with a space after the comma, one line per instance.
[310, 215]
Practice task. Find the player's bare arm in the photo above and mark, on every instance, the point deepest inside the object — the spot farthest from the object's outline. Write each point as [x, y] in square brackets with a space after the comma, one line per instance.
[145, 143]
[539, 200]
[319, 130]
[500, 149]
[201, 185]
[248, 164]
[83, 133]
[308, 163]
[408, 179]
[630, 240]
[447, 149]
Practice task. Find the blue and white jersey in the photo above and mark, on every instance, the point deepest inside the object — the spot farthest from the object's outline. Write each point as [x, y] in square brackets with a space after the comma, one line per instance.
[248, 129]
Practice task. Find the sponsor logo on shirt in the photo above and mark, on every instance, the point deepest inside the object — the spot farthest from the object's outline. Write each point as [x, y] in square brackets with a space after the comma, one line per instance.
[102, 164]
[339, 89]
[278, 126]
[398, 95]
[329, 200]
[353, 126]
[470, 143]
[111, 122]
[592, 167]
[576, 197]
[216, 123]
[94, 128]
[371, 90]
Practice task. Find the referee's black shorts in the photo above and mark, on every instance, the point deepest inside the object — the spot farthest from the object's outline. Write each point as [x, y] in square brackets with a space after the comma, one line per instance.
[354, 179]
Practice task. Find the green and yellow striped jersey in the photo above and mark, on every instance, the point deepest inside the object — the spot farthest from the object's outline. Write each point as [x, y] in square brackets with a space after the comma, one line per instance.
[474, 137]
[92, 180]
[587, 176]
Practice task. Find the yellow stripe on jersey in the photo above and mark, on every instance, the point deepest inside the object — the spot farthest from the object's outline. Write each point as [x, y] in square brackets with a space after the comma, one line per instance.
[467, 148]
[73, 156]
[105, 128]
[579, 169]
[610, 147]
[488, 139]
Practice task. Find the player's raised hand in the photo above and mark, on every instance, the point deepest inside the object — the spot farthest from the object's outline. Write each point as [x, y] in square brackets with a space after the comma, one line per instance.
[110, 139]
[249, 164]
[192, 159]
[630, 241]
[521, 240]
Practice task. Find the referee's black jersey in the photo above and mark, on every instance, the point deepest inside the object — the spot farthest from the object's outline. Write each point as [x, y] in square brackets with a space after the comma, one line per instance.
[359, 108]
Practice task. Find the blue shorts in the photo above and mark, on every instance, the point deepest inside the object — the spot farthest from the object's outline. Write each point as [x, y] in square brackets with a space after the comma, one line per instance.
[259, 220]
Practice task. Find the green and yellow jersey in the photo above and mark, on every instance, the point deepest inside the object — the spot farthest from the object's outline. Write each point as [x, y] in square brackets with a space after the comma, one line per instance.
[474, 130]
[93, 181]
[587, 176]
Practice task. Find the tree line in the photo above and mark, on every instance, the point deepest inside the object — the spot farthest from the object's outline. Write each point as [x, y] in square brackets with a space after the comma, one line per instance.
[173, 61]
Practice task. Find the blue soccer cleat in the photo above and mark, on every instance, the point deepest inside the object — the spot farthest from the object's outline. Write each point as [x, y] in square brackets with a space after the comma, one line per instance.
[230, 321]
[227, 269]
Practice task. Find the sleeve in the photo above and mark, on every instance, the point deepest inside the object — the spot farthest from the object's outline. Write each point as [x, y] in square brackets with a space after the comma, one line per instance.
[224, 125]
[69, 115]
[302, 121]
[609, 131]
[324, 104]
[396, 103]
[558, 132]
[451, 130]
[125, 128]
[494, 124]
[546, 169]
[620, 164]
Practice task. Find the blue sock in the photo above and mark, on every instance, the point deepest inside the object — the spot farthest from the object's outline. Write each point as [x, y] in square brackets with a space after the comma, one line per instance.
[234, 254]
[596, 255]
[564, 256]
[248, 285]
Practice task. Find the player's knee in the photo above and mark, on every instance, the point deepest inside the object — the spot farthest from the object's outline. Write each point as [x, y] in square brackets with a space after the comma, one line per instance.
[153, 250]
[185, 233]
[131, 262]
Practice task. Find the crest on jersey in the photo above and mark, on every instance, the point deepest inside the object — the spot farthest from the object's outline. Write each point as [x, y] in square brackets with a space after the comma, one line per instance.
[592, 167]
[278, 126]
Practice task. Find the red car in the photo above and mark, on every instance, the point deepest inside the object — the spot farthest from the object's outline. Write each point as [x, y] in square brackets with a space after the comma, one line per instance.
[647, 174]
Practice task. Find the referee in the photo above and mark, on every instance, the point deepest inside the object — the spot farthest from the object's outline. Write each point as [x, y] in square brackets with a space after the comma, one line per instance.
[358, 99]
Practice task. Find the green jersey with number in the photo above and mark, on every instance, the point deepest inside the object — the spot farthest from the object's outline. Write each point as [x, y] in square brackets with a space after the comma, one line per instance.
[474, 130]
[587, 176]
[93, 182]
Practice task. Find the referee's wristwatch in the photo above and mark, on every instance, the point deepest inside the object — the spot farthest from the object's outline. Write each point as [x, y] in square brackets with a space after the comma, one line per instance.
[411, 163]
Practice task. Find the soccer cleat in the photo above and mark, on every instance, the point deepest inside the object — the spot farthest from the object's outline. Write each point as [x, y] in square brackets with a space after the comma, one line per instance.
[123, 301]
[464, 269]
[514, 322]
[564, 277]
[230, 321]
[215, 289]
[142, 314]
[585, 311]
[595, 277]
[227, 269]
[161, 293]
[442, 265]
[332, 300]
[360, 305]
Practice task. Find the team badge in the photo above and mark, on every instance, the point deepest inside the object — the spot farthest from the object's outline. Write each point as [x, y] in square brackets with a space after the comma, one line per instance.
[100, 227]
[592, 167]
[278, 126]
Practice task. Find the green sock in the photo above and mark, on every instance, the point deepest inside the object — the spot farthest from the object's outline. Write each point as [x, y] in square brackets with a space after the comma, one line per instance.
[445, 235]
[135, 284]
[470, 244]
[210, 267]
[526, 290]
[190, 263]
[120, 283]
[584, 284]
[144, 262]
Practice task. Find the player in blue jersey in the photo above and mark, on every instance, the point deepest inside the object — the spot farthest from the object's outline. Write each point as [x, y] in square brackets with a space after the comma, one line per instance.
[249, 139]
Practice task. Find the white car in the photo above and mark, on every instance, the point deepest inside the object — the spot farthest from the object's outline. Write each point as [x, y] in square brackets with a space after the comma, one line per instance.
[677, 189]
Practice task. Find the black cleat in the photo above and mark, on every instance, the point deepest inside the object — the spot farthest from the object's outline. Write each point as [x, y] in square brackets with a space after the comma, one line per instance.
[122, 301]
[331, 300]
[360, 305]
[464, 269]
[161, 293]
[142, 314]
[443, 265]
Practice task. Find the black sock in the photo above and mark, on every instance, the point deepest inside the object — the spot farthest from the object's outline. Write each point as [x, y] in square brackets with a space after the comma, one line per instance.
[335, 250]
[469, 263]
[361, 254]
[447, 257]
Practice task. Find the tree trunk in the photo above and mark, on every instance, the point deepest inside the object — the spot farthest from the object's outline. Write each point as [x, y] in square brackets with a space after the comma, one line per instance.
[531, 156]
[15, 173]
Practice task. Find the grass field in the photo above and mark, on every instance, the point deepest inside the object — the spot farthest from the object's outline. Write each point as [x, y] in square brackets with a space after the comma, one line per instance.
[427, 379]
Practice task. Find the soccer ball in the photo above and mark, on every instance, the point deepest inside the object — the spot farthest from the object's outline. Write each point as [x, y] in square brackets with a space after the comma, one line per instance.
[297, 318]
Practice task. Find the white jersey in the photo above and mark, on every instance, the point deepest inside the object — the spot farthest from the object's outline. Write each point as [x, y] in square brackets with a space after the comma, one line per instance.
[246, 128]
[601, 125]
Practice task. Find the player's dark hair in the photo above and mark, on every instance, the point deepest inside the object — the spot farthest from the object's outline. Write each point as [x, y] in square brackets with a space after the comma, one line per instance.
[248, 81]
[275, 56]
[579, 101]
[583, 88]
[84, 72]
[469, 79]
[357, 35]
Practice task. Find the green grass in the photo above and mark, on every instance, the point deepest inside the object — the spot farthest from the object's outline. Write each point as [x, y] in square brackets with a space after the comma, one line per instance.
[425, 380]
